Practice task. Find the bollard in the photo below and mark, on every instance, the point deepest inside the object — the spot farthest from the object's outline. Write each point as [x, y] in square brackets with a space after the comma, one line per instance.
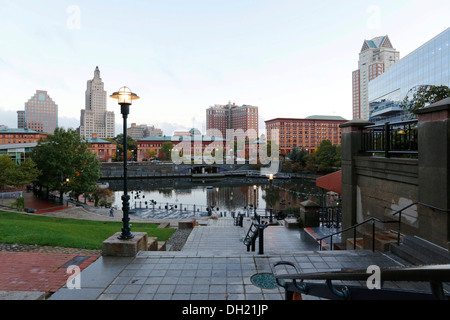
[261, 239]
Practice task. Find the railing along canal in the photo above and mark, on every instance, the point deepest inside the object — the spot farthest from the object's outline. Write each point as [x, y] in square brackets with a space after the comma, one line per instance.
[398, 138]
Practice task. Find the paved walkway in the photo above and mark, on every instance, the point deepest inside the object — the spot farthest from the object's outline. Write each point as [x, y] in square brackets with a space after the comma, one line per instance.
[213, 265]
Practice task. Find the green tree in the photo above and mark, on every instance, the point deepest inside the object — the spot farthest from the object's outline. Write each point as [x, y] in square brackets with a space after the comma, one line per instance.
[325, 158]
[131, 146]
[17, 174]
[65, 163]
[165, 151]
[421, 96]
[298, 155]
[7, 166]
[26, 173]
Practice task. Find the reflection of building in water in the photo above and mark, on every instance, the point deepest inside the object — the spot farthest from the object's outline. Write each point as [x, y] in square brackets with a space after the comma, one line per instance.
[231, 198]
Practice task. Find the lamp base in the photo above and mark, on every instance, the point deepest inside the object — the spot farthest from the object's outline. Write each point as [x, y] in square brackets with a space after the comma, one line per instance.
[116, 247]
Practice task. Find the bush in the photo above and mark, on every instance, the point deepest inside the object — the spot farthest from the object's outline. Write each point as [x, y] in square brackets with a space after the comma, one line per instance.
[19, 203]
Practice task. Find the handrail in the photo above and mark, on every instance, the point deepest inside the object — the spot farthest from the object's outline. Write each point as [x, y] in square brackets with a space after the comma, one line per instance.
[434, 274]
[252, 234]
[373, 220]
[388, 139]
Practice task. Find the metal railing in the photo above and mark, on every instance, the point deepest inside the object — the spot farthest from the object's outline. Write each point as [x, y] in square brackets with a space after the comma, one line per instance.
[373, 220]
[391, 138]
[256, 230]
[435, 275]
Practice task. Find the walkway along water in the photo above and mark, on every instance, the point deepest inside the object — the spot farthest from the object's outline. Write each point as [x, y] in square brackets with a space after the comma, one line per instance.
[213, 265]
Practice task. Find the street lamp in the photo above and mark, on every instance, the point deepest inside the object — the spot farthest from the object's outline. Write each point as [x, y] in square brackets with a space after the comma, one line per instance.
[270, 190]
[125, 97]
[254, 203]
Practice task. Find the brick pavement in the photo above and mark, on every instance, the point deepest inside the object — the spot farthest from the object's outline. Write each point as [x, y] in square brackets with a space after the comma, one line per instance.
[37, 271]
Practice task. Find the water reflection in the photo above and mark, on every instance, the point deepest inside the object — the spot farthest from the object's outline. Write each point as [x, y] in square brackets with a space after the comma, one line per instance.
[181, 196]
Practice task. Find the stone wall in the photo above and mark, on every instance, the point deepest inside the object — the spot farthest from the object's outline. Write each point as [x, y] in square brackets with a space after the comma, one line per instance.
[378, 186]
[385, 185]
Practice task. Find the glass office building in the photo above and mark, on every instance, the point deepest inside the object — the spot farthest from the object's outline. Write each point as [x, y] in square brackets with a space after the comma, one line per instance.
[427, 65]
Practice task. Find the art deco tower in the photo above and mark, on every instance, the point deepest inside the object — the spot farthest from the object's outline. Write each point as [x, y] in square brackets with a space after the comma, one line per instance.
[95, 119]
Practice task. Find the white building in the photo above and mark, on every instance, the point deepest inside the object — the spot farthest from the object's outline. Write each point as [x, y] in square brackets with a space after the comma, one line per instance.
[376, 56]
[142, 131]
[95, 119]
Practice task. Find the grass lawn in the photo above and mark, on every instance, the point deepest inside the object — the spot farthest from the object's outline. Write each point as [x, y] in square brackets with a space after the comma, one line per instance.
[71, 233]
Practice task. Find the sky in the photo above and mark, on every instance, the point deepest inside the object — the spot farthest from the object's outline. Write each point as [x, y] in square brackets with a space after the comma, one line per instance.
[291, 58]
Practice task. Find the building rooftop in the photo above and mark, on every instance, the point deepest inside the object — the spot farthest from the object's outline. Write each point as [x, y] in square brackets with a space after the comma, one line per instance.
[19, 130]
[314, 117]
[180, 138]
[318, 117]
[13, 146]
[97, 140]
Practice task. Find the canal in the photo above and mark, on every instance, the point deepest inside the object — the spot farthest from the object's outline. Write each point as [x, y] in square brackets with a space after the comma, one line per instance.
[186, 197]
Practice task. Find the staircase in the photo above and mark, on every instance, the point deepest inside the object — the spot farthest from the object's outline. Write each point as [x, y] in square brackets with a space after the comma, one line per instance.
[418, 251]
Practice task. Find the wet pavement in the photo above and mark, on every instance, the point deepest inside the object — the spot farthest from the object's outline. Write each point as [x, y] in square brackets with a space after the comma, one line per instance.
[214, 264]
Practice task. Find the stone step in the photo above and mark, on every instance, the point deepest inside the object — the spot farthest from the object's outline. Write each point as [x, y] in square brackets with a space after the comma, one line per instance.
[431, 250]
[418, 251]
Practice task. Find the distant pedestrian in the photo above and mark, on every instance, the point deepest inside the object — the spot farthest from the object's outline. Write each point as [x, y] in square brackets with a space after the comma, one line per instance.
[111, 212]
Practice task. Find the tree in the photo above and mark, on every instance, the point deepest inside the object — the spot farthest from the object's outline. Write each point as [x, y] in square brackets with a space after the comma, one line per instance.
[65, 162]
[7, 170]
[325, 158]
[299, 156]
[149, 154]
[17, 174]
[421, 96]
[100, 195]
[131, 146]
[26, 173]
[165, 151]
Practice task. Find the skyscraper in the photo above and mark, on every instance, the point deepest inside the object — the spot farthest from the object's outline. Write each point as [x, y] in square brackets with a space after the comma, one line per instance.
[95, 119]
[41, 113]
[376, 56]
[429, 64]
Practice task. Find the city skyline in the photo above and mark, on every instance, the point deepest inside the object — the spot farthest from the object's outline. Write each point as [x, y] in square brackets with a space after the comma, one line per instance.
[181, 58]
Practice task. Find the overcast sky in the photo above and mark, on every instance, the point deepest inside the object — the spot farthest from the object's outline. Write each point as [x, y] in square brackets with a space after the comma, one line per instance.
[289, 58]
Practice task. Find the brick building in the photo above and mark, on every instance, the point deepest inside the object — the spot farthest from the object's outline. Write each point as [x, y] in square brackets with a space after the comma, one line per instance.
[20, 135]
[231, 116]
[305, 133]
[104, 149]
[198, 145]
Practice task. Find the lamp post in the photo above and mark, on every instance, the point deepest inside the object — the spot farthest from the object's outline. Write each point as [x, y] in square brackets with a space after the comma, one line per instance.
[271, 201]
[254, 203]
[125, 97]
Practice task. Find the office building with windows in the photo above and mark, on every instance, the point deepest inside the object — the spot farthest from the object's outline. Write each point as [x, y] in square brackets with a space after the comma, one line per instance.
[233, 117]
[40, 114]
[95, 119]
[427, 65]
[376, 57]
[142, 130]
[305, 133]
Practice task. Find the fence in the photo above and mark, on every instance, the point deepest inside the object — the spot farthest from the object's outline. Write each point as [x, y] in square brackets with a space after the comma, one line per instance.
[11, 195]
[399, 138]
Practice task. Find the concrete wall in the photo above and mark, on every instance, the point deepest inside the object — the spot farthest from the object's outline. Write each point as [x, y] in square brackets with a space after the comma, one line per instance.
[377, 187]
[384, 186]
